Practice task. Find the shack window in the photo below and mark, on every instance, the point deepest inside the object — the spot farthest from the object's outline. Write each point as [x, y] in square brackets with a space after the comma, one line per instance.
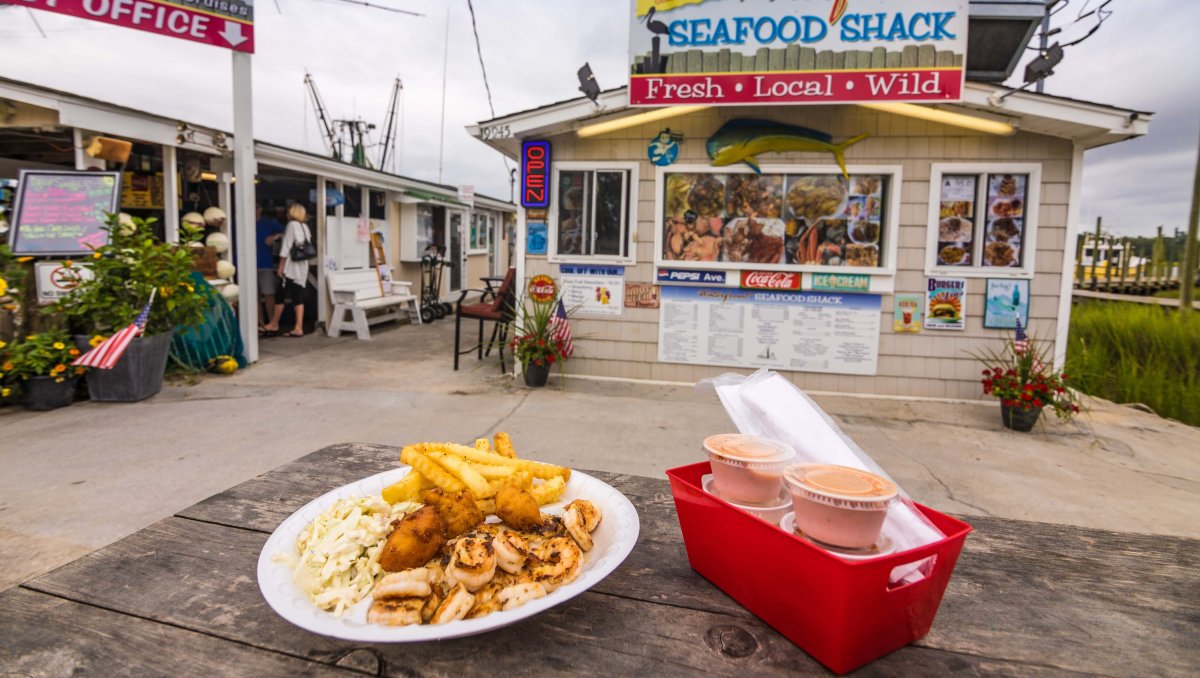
[786, 218]
[592, 207]
[480, 229]
[983, 219]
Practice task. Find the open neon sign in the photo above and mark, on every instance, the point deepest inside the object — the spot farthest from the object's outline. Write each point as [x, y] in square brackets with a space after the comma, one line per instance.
[535, 174]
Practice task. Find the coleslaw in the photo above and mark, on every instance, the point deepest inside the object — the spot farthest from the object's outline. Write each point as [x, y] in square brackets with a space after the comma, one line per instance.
[337, 555]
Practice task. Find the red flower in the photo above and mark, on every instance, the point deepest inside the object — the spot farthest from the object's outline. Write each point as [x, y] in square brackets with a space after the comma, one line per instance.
[550, 358]
[1025, 396]
[1037, 402]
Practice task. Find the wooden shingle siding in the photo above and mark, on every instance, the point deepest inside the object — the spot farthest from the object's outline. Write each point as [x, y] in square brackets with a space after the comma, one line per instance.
[931, 363]
[797, 58]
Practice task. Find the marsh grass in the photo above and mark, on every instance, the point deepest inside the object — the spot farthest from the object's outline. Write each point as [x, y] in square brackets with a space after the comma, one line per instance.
[1135, 353]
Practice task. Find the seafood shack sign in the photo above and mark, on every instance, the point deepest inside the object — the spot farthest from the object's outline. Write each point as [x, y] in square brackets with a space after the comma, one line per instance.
[738, 52]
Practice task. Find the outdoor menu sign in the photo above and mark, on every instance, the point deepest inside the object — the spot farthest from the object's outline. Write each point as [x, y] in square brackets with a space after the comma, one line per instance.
[224, 23]
[801, 331]
[593, 290]
[817, 52]
[945, 304]
[63, 212]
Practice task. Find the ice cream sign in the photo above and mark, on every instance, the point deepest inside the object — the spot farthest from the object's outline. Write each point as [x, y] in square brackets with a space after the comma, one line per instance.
[789, 52]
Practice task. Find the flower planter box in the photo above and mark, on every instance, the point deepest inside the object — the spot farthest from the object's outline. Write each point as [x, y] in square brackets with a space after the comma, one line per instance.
[42, 393]
[136, 376]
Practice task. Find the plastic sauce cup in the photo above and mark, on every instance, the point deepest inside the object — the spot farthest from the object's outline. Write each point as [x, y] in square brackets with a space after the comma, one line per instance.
[747, 469]
[839, 505]
[772, 513]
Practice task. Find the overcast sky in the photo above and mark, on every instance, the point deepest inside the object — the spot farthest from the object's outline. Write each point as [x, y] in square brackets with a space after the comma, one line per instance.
[1146, 59]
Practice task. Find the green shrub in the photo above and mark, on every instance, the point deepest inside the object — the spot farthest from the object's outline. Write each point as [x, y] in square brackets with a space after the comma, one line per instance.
[1137, 353]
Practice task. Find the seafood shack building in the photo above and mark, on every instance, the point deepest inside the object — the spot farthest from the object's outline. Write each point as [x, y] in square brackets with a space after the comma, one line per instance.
[948, 222]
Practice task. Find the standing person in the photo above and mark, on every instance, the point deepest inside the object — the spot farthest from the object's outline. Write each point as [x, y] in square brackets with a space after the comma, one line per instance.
[267, 232]
[294, 273]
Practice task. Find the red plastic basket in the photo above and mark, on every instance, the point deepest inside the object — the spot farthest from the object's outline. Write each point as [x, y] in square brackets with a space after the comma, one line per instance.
[843, 613]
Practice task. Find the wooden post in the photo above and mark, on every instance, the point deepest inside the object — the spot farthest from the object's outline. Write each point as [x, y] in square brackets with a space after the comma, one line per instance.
[1124, 263]
[1156, 259]
[1188, 271]
[1137, 274]
[1080, 276]
[1096, 256]
[1110, 241]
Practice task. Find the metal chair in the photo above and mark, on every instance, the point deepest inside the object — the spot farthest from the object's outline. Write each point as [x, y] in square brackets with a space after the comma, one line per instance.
[500, 310]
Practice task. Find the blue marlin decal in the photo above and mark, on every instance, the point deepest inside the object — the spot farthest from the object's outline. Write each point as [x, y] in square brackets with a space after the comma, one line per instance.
[743, 139]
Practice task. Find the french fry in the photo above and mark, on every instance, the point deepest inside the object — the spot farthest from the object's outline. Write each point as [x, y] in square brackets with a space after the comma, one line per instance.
[521, 480]
[431, 470]
[461, 468]
[482, 445]
[544, 471]
[538, 469]
[504, 445]
[407, 488]
[494, 472]
[548, 491]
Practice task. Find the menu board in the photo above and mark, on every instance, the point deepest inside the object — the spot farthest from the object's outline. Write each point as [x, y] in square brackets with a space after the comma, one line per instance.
[1005, 220]
[798, 331]
[142, 191]
[593, 290]
[63, 212]
[750, 220]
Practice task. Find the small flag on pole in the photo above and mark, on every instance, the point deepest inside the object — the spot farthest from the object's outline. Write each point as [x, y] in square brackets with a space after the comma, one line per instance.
[106, 354]
[1021, 341]
[560, 329]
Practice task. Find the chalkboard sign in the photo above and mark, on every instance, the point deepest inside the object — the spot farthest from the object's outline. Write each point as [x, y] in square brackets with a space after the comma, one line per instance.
[60, 213]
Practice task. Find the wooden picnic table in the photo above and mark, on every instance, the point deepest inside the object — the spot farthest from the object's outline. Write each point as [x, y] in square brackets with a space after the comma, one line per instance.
[181, 598]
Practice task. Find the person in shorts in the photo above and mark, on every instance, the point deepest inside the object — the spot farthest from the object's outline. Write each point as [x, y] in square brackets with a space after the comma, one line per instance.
[266, 232]
[294, 274]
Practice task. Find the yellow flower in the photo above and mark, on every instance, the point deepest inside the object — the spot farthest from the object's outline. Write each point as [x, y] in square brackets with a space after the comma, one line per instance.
[73, 352]
[96, 341]
[4, 392]
[58, 368]
[80, 370]
[3, 344]
[59, 380]
[96, 255]
[166, 291]
[3, 286]
[68, 263]
[58, 346]
[7, 367]
[24, 260]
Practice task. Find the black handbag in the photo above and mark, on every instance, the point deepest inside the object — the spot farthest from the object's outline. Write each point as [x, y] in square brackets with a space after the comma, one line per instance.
[303, 250]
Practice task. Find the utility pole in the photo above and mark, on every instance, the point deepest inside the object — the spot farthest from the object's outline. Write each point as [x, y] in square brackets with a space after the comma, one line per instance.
[1188, 270]
[1096, 257]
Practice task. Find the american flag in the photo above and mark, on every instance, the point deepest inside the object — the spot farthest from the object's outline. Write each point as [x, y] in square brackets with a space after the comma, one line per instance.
[560, 329]
[106, 354]
[1021, 341]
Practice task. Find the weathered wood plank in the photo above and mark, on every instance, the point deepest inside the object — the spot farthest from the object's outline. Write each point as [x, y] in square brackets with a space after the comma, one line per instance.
[893, 60]
[808, 58]
[776, 59]
[723, 60]
[908, 58]
[695, 61]
[879, 57]
[48, 636]
[839, 61]
[926, 56]
[945, 58]
[824, 59]
[710, 62]
[958, 60]
[762, 59]
[792, 61]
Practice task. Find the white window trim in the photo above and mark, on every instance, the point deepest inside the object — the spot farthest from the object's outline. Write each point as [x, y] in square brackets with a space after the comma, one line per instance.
[1033, 204]
[630, 219]
[891, 237]
[474, 248]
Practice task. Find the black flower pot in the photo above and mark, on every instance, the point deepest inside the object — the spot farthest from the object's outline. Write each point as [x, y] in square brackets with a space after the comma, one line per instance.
[536, 375]
[1018, 419]
[136, 376]
[44, 393]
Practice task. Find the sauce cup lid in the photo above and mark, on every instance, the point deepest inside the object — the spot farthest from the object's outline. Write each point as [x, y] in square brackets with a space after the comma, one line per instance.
[741, 449]
[840, 486]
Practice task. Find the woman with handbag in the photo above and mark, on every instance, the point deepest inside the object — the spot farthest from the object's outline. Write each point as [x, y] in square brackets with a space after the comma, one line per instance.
[295, 254]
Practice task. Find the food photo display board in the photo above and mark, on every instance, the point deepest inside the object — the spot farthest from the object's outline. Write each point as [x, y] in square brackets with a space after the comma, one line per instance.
[783, 219]
[799, 331]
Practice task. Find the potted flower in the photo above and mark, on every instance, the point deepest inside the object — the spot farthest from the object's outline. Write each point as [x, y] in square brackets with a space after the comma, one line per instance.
[41, 364]
[1025, 383]
[541, 338]
[124, 273]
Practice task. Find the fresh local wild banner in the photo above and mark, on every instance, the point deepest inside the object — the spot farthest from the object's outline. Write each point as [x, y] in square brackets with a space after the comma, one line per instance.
[796, 52]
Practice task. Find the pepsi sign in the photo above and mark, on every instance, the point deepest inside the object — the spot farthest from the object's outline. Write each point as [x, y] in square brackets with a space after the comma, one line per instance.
[673, 276]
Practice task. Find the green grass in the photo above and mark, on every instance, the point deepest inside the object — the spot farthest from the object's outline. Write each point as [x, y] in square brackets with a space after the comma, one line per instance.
[1135, 353]
[1167, 294]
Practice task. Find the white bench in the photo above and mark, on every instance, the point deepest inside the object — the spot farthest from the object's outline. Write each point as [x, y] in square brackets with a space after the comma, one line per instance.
[356, 292]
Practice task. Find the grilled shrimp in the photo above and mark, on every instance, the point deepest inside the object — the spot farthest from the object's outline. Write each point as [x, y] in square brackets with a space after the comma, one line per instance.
[456, 606]
[589, 512]
[396, 611]
[576, 526]
[511, 551]
[519, 594]
[473, 564]
[559, 562]
[414, 583]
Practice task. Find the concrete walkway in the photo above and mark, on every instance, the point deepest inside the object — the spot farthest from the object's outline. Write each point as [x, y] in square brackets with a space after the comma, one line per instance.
[82, 477]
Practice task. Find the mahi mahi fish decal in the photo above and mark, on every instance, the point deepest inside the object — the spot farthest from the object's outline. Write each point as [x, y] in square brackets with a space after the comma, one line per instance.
[742, 140]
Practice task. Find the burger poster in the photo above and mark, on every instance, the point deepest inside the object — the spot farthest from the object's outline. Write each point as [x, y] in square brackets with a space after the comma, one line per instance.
[945, 304]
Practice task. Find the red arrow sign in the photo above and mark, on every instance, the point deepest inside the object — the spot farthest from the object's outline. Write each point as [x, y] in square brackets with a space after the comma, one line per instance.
[230, 25]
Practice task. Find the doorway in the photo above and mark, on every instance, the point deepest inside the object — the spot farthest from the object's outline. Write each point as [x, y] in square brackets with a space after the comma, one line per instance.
[458, 251]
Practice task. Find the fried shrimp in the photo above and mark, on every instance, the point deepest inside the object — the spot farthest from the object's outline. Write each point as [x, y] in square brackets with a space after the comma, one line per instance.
[519, 594]
[414, 583]
[416, 539]
[457, 511]
[396, 611]
[511, 550]
[559, 562]
[473, 564]
[456, 606]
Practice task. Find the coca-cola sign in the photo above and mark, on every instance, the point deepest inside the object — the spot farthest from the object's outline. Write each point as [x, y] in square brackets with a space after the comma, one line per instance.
[770, 280]
[542, 288]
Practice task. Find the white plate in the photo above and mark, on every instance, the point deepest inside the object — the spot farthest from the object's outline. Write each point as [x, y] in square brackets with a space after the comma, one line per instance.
[614, 539]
